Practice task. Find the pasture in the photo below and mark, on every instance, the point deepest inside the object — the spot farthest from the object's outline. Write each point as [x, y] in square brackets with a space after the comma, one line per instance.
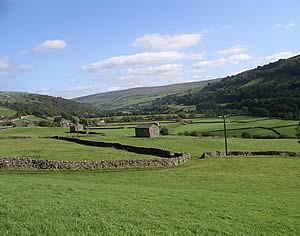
[228, 196]
[214, 196]
[6, 112]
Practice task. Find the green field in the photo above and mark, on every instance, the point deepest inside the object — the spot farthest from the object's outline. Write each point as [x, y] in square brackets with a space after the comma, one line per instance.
[214, 196]
[238, 125]
[6, 112]
[194, 145]
[51, 149]
[230, 196]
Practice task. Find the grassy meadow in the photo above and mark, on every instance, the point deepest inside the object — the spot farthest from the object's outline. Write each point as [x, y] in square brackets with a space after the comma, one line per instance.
[228, 196]
[6, 112]
[50, 149]
[225, 196]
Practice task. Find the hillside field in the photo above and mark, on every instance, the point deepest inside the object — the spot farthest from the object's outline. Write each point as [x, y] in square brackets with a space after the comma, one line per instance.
[6, 112]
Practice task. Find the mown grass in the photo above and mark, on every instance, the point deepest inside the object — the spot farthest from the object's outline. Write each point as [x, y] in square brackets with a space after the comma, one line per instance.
[51, 149]
[230, 196]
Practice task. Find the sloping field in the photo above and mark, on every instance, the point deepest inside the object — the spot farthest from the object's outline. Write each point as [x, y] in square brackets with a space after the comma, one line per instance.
[236, 126]
[6, 112]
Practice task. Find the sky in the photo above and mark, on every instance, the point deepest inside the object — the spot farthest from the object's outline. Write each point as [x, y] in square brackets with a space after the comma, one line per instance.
[73, 48]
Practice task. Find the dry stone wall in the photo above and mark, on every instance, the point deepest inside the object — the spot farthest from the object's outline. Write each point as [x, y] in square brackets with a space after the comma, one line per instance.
[139, 150]
[28, 163]
[169, 159]
[256, 153]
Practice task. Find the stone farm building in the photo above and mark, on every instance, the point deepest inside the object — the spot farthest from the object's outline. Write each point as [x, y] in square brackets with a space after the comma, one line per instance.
[76, 128]
[147, 130]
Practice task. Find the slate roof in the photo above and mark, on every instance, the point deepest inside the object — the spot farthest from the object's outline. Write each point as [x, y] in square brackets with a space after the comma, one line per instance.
[145, 126]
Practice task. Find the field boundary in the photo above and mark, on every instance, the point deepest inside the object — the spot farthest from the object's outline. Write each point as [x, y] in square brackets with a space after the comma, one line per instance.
[135, 149]
[248, 153]
[15, 137]
[28, 163]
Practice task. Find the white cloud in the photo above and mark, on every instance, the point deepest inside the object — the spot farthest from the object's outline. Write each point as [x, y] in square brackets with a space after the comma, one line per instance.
[203, 77]
[43, 91]
[280, 55]
[8, 68]
[211, 64]
[234, 59]
[153, 75]
[56, 44]
[153, 71]
[145, 58]
[232, 50]
[285, 26]
[167, 42]
[237, 58]
[291, 25]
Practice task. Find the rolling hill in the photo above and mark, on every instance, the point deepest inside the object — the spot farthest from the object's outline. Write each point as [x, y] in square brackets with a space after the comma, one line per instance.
[128, 99]
[41, 105]
[270, 90]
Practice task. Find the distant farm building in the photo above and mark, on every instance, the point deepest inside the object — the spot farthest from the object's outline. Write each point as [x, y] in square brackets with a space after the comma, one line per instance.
[76, 128]
[147, 130]
[64, 123]
[100, 122]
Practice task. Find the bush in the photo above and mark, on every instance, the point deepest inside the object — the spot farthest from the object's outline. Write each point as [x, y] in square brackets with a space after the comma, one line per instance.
[45, 123]
[206, 134]
[269, 136]
[195, 133]
[246, 135]
[164, 131]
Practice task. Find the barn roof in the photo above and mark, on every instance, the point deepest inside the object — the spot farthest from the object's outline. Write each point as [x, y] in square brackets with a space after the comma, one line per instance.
[146, 126]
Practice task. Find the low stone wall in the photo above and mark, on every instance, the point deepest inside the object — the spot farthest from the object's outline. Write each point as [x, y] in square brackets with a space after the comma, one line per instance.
[15, 137]
[247, 154]
[139, 150]
[28, 163]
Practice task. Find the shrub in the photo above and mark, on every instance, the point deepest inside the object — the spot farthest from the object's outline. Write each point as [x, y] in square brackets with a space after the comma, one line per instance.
[164, 131]
[196, 133]
[45, 123]
[246, 135]
[269, 136]
[206, 134]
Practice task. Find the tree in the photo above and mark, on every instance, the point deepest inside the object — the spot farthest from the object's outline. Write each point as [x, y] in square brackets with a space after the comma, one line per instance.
[164, 131]
[45, 123]
[246, 135]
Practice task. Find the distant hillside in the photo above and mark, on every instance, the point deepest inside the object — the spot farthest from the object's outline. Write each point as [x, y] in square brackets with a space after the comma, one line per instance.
[128, 99]
[270, 90]
[42, 105]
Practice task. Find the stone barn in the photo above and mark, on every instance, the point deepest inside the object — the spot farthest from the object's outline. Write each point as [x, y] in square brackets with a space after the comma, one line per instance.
[76, 128]
[147, 130]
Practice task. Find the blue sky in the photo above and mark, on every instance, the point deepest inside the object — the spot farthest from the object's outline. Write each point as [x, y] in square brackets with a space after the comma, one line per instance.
[73, 48]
